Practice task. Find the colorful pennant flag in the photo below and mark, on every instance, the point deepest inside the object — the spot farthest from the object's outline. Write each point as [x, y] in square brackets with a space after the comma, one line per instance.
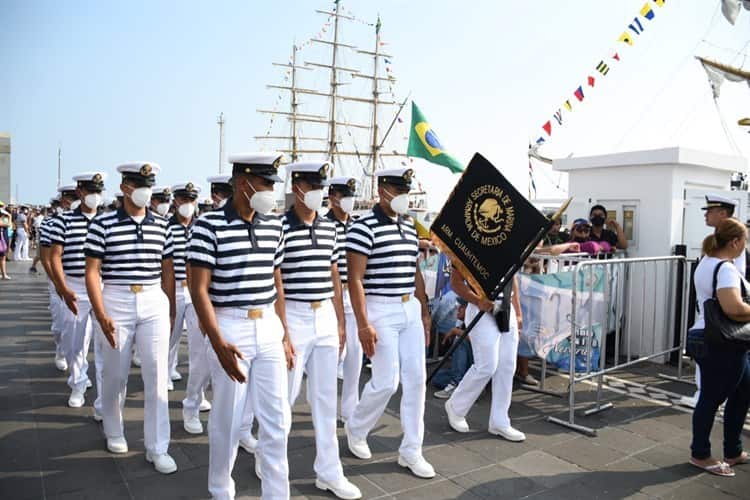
[616, 56]
[540, 141]
[591, 81]
[660, 3]
[647, 12]
[625, 38]
[558, 117]
[579, 93]
[638, 28]
[568, 106]
[547, 127]
[602, 68]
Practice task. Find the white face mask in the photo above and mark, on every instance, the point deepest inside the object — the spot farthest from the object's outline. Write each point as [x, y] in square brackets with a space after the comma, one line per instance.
[261, 201]
[186, 210]
[59, 210]
[162, 208]
[93, 200]
[313, 199]
[399, 203]
[140, 196]
[347, 204]
[220, 203]
[75, 204]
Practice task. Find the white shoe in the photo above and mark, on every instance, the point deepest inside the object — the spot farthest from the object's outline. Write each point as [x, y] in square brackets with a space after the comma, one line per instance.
[205, 405]
[88, 383]
[76, 399]
[136, 360]
[509, 433]
[689, 401]
[170, 386]
[175, 375]
[342, 488]
[162, 463]
[446, 392]
[258, 472]
[419, 467]
[457, 423]
[192, 425]
[340, 376]
[60, 363]
[117, 445]
[98, 416]
[6, 277]
[249, 444]
[358, 447]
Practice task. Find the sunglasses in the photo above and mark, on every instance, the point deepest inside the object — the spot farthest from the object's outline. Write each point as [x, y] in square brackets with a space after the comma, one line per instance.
[582, 229]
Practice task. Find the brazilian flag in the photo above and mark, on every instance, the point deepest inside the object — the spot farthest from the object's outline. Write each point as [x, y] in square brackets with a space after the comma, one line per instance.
[424, 143]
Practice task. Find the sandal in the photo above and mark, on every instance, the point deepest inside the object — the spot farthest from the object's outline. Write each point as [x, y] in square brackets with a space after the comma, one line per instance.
[742, 459]
[718, 469]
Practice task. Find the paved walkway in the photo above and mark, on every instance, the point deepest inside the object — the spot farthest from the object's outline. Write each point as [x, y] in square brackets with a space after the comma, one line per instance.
[48, 450]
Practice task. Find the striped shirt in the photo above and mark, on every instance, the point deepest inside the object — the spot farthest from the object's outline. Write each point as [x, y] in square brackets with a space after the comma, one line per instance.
[44, 240]
[69, 231]
[341, 229]
[180, 237]
[309, 253]
[131, 252]
[242, 256]
[391, 246]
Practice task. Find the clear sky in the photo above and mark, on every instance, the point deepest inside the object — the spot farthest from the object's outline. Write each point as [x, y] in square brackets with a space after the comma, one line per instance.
[118, 81]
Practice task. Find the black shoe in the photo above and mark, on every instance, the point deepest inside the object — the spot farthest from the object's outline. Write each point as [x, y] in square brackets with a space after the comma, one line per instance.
[32, 270]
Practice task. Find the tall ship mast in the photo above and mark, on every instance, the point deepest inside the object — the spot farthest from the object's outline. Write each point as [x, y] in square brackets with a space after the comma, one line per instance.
[318, 115]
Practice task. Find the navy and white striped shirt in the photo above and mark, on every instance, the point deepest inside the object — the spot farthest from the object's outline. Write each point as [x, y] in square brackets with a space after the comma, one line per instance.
[391, 246]
[180, 237]
[242, 256]
[44, 240]
[341, 229]
[309, 253]
[69, 231]
[131, 252]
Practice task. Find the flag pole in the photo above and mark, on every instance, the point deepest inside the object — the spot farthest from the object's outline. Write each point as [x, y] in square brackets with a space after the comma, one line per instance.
[503, 281]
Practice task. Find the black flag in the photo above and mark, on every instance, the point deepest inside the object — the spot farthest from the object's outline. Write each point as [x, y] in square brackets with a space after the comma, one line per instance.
[486, 226]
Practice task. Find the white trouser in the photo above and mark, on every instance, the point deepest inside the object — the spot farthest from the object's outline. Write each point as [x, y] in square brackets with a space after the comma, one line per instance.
[22, 245]
[264, 366]
[198, 369]
[400, 350]
[141, 318]
[80, 338]
[314, 335]
[352, 361]
[57, 319]
[182, 300]
[494, 359]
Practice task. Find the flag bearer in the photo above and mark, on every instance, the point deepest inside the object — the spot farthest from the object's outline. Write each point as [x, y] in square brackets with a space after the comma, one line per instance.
[67, 263]
[130, 251]
[235, 281]
[393, 322]
[341, 193]
[494, 343]
[57, 203]
[315, 315]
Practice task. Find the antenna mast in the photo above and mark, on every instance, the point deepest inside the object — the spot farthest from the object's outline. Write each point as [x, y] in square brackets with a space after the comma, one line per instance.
[59, 169]
[375, 145]
[221, 122]
[334, 83]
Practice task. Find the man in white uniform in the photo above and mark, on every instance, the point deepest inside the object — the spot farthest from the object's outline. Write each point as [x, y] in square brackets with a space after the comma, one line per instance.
[393, 322]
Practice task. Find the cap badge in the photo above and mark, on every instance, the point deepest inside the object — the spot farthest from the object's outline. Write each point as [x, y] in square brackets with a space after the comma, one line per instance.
[189, 186]
[97, 179]
[351, 183]
[408, 174]
[145, 170]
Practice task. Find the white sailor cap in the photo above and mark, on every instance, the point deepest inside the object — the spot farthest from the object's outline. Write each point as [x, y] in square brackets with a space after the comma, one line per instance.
[91, 181]
[189, 189]
[401, 176]
[264, 165]
[345, 185]
[118, 194]
[54, 200]
[67, 189]
[161, 192]
[315, 172]
[718, 201]
[142, 173]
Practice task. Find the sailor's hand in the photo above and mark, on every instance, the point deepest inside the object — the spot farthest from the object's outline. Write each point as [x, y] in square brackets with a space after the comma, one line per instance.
[289, 352]
[342, 338]
[71, 300]
[427, 323]
[228, 354]
[368, 337]
[519, 321]
[485, 305]
[108, 329]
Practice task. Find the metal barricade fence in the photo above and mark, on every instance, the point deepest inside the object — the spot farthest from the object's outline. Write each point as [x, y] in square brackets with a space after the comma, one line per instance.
[641, 303]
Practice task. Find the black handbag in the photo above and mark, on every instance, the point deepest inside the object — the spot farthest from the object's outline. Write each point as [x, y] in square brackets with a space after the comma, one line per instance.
[720, 329]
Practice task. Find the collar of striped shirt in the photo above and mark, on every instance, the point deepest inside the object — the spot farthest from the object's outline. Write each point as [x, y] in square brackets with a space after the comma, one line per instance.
[295, 222]
[332, 216]
[231, 214]
[122, 215]
[177, 222]
[384, 218]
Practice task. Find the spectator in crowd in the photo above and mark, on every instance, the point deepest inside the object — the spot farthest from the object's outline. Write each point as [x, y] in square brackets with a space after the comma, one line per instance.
[724, 368]
[21, 251]
[37, 221]
[447, 378]
[444, 316]
[5, 223]
[612, 234]
[580, 233]
[554, 236]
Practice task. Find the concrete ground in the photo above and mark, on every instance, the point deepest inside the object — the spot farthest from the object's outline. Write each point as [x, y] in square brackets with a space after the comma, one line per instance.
[48, 450]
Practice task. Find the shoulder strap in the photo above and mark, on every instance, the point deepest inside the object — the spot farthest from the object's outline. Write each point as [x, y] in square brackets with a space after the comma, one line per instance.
[716, 274]
[747, 267]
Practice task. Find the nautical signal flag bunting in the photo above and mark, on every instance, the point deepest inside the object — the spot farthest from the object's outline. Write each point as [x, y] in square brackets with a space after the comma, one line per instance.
[633, 30]
[486, 226]
[424, 143]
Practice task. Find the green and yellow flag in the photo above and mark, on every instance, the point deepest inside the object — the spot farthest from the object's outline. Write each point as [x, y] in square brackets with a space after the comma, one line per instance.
[424, 143]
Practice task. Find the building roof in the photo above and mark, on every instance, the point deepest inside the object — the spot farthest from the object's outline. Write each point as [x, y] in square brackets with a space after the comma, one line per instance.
[664, 156]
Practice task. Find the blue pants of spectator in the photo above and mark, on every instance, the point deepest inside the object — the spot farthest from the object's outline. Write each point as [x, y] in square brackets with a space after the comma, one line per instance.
[461, 360]
[725, 376]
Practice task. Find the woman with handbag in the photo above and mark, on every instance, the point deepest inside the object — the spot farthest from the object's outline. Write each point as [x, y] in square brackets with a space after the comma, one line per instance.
[724, 368]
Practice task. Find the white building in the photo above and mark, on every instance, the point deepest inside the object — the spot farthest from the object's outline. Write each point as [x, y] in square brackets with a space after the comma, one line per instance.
[5, 167]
